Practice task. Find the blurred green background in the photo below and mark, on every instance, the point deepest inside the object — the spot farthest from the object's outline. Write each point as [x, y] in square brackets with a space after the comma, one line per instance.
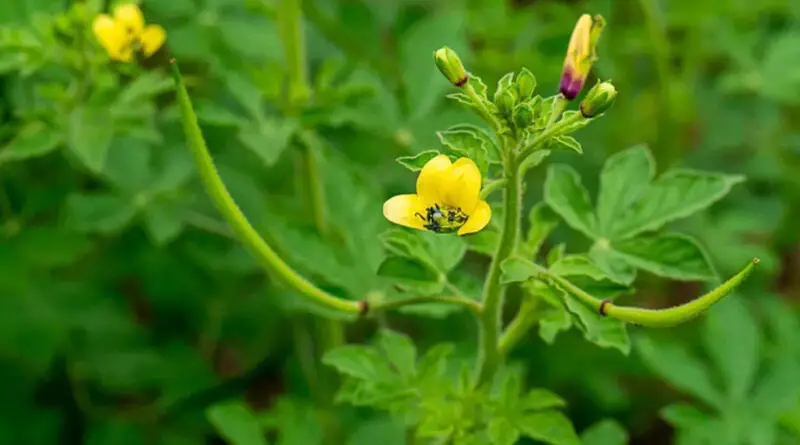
[127, 309]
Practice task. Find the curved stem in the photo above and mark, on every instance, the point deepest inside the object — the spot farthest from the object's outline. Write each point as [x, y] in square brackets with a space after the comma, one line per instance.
[235, 218]
[493, 292]
[472, 305]
[519, 326]
[492, 186]
[655, 318]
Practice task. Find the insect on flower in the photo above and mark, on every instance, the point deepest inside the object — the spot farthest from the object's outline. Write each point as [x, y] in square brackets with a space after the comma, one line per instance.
[447, 199]
[125, 35]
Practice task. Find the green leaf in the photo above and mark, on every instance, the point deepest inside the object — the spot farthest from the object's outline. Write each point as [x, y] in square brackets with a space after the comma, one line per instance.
[502, 431]
[267, 139]
[236, 424]
[538, 399]
[566, 195]
[416, 162]
[603, 331]
[89, 134]
[144, 87]
[778, 391]
[565, 143]
[550, 427]
[410, 275]
[516, 269]
[683, 415]
[467, 141]
[612, 263]
[440, 252]
[162, 221]
[127, 165]
[605, 432]
[674, 195]
[732, 339]
[577, 264]
[680, 369]
[541, 223]
[624, 179]
[399, 350]
[34, 139]
[357, 361]
[104, 212]
[555, 254]
[552, 322]
[674, 256]
[778, 81]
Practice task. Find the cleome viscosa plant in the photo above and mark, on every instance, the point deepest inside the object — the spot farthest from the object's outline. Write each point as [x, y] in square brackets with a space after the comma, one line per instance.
[454, 206]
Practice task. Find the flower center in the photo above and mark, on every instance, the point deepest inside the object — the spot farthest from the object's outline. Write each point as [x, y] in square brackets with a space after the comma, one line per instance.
[443, 219]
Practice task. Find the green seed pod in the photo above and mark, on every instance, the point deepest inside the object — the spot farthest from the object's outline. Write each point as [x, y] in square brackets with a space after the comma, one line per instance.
[526, 84]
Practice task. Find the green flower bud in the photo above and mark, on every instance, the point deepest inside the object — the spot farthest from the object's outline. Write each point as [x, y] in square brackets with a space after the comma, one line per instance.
[523, 116]
[599, 99]
[504, 99]
[450, 65]
[526, 83]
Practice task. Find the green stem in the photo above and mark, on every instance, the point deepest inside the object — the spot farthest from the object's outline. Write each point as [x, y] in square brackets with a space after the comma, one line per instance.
[491, 186]
[654, 318]
[485, 113]
[549, 133]
[236, 219]
[489, 355]
[290, 26]
[472, 305]
[519, 326]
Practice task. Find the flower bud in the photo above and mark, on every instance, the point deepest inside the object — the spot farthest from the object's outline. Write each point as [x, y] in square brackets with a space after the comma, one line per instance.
[599, 99]
[523, 116]
[504, 99]
[581, 54]
[450, 65]
[526, 83]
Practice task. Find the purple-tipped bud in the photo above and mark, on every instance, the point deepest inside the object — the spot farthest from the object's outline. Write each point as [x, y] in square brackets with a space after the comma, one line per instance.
[571, 84]
[581, 53]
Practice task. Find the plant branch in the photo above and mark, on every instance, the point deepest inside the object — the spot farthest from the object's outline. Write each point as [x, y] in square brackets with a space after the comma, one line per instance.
[225, 204]
[472, 305]
[549, 133]
[492, 186]
[519, 326]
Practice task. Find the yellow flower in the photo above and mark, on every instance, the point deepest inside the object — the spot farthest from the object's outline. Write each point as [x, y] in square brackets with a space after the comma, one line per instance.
[581, 54]
[125, 34]
[447, 199]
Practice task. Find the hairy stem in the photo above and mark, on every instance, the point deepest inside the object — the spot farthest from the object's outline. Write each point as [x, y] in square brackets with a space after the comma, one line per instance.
[493, 292]
[472, 305]
[519, 326]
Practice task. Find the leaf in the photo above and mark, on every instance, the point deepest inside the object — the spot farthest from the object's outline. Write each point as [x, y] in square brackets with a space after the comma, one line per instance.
[555, 254]
[34, 139]
[411, 275]
[516, 269]
[565, 194]
[577, 265]
[163, 222]
[440, 253]
[416, 162]
[612, 263]
[538, 399]
[780, 82]
[674, 256]
[624, 179]
[552, 322]
[541, 223]
[400, 351]
[778, 391]
[236, 424]
[565, 143]
[502, 431]
[680, 369]
[127, 165]
[102, 212]
[89, 134]
[144, 87]
[603, 331]
[465, 141]
[267, 139]
[732, 339]
[605, 432]
[357, 361]
[550, 427]
[674, 195]
[683, 415]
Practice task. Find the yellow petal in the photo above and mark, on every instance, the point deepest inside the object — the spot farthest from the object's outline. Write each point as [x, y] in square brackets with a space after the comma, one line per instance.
[462, 185]
[579, 47]
[432, 176]
[479, 219]
[403, 210]
[111, 37]
[130, 18]
[152, 38]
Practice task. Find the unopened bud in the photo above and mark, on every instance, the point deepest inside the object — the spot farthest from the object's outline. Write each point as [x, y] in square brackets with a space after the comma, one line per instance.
[526, 83]
[450, 65]
[599, 99]
[581, 54]
[504, 99]
[523, 116]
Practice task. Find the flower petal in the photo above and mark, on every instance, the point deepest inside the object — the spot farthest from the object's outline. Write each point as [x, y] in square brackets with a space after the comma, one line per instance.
[402, 209]
[432, 177]
[112, 38]
[152, 38]
[462, 185]
[130, 18]
[479, 219]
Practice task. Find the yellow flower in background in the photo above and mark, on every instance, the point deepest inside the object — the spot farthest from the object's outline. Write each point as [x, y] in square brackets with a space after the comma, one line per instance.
[581, 54]
[447, 199]
[125, 34]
